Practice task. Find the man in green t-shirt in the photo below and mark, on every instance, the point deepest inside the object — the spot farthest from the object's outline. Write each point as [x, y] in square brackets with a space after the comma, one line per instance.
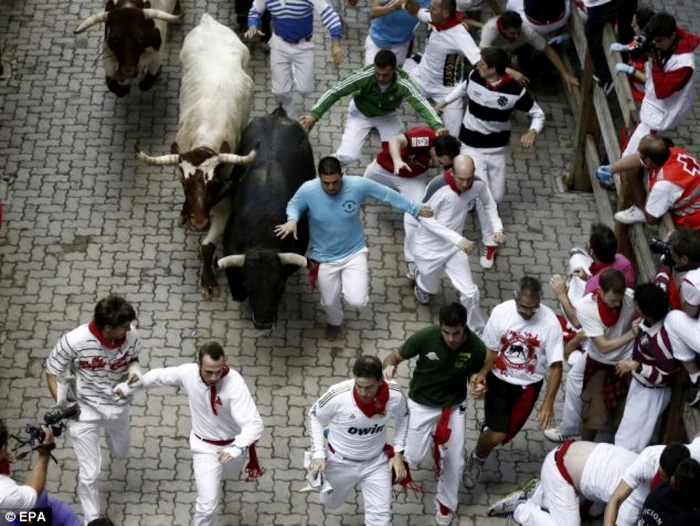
[448, 355]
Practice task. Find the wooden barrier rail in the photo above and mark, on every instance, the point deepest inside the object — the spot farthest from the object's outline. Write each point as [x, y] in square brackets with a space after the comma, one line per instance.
[595, 124]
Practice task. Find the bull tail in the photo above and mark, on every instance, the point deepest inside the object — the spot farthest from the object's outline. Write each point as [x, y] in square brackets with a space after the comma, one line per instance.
[280, 111]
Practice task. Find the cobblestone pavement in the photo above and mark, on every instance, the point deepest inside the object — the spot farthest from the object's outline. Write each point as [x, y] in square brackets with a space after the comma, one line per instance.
[85, 219]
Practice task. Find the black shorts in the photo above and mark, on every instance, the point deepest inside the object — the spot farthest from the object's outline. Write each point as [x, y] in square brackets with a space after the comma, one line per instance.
[508, 406]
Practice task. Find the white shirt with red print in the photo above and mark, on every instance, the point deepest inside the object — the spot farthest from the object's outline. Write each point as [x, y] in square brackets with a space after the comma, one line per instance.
[97, 367]
[526, 348]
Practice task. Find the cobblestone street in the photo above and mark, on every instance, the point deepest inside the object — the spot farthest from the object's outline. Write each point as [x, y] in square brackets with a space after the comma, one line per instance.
[84, 218]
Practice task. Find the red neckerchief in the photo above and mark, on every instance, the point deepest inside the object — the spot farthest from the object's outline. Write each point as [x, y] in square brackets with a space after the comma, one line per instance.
[213, 389]
[375, 406]
[656, 480]
[451, 181]
[499, 25]
[451, 22]
[97, 334]
[598, 267]
[608, 316]
[505, 79]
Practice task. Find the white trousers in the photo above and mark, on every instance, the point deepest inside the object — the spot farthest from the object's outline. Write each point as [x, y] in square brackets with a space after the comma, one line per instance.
[686, 335]
[208, 474]
[374, 477]
[641, 131]
[371, 49]
[291, 63]
[643, 407]
[490, 167]
[454, 263]
[347, 277]
[573, 403]
[453, 112]
[357, 128]
[85, 435]
[555, 494]
[411, 187]
[421, 427]
[561, 500]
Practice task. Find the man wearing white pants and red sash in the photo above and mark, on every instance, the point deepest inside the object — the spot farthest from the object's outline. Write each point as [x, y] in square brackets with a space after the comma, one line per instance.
[336, 238]
[439, 243]
[402, 165]
[447, 355]
[225, 423]
[357, 413]
[100, 355]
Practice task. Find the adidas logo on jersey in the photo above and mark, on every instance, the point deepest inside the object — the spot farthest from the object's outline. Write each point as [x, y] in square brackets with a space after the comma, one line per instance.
[366, 430]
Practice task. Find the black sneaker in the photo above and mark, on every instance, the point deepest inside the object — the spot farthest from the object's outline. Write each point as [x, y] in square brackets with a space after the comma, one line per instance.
[692, 395]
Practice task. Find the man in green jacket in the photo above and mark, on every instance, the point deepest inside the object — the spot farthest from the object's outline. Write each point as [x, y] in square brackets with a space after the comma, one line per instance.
[379, 91]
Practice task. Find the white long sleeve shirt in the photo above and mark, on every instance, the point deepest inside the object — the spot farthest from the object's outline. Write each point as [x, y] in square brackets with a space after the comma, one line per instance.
[236, 415]
[443, 231]
[351, 433]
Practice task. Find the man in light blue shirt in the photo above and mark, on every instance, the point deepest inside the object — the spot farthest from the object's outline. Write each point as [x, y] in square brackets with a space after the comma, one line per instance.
[392, 28]
[337, 239]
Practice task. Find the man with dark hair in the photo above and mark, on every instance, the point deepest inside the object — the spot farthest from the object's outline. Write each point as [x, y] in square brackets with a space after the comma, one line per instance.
[675, 503]
[585, 269]
[378, 91]
[651, 366]
[440, 246]
[448, 355]
[508, 32]
[337, 245]
[485, 133]
[525, 344]
[357, 413]
[652, 467]
[100, 355]
[674, 185]
[225, 423]
[606, 320]
[403, 165]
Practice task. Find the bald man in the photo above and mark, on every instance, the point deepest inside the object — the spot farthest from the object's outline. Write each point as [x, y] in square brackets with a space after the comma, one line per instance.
[674, 185]
[440, 245]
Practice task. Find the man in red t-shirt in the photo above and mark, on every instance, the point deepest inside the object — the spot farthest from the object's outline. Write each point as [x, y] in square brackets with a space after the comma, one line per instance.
[403, 164]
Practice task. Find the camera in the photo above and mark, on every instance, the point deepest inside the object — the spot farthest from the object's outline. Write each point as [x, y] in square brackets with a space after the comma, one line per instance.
[641, 46]
[659, 247]
[53, 419]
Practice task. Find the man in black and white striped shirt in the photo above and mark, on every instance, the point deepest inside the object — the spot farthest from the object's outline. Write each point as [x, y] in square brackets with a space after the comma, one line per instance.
[485, 133]
[100, 354]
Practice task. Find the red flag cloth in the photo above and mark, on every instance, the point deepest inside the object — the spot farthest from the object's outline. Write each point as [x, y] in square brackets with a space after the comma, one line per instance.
[253, 469]
[407, 481]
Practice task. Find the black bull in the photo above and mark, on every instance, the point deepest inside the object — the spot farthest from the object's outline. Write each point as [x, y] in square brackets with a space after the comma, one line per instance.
[283, 163]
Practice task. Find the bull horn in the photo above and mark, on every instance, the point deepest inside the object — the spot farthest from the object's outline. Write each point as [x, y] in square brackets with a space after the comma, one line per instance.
[99, 18]
[163, 160]
[291, 258]
[160, 15]
[236, 260]
[230, 158]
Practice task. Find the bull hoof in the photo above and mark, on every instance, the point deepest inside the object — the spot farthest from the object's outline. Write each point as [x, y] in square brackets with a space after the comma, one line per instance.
[148, 81]
[116, 88]
[210, 291]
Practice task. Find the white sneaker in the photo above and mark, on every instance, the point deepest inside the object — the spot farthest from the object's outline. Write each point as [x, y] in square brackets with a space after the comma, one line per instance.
[422, 296]
[440, 519]
[554, 435]
[630, 216]
[472, 471]
[487, 257]
[411, 271]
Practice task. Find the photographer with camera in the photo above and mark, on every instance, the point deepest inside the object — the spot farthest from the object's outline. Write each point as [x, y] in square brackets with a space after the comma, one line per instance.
[13, 495]
[101, 355]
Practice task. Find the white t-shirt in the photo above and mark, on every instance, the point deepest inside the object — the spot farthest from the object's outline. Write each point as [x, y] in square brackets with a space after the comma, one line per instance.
[350, 432]
[642, 470]
[13, 495]
[690, 287]
[526, 348]
[662, 197]
[592, 326]
[492, 37]
[603, 470]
